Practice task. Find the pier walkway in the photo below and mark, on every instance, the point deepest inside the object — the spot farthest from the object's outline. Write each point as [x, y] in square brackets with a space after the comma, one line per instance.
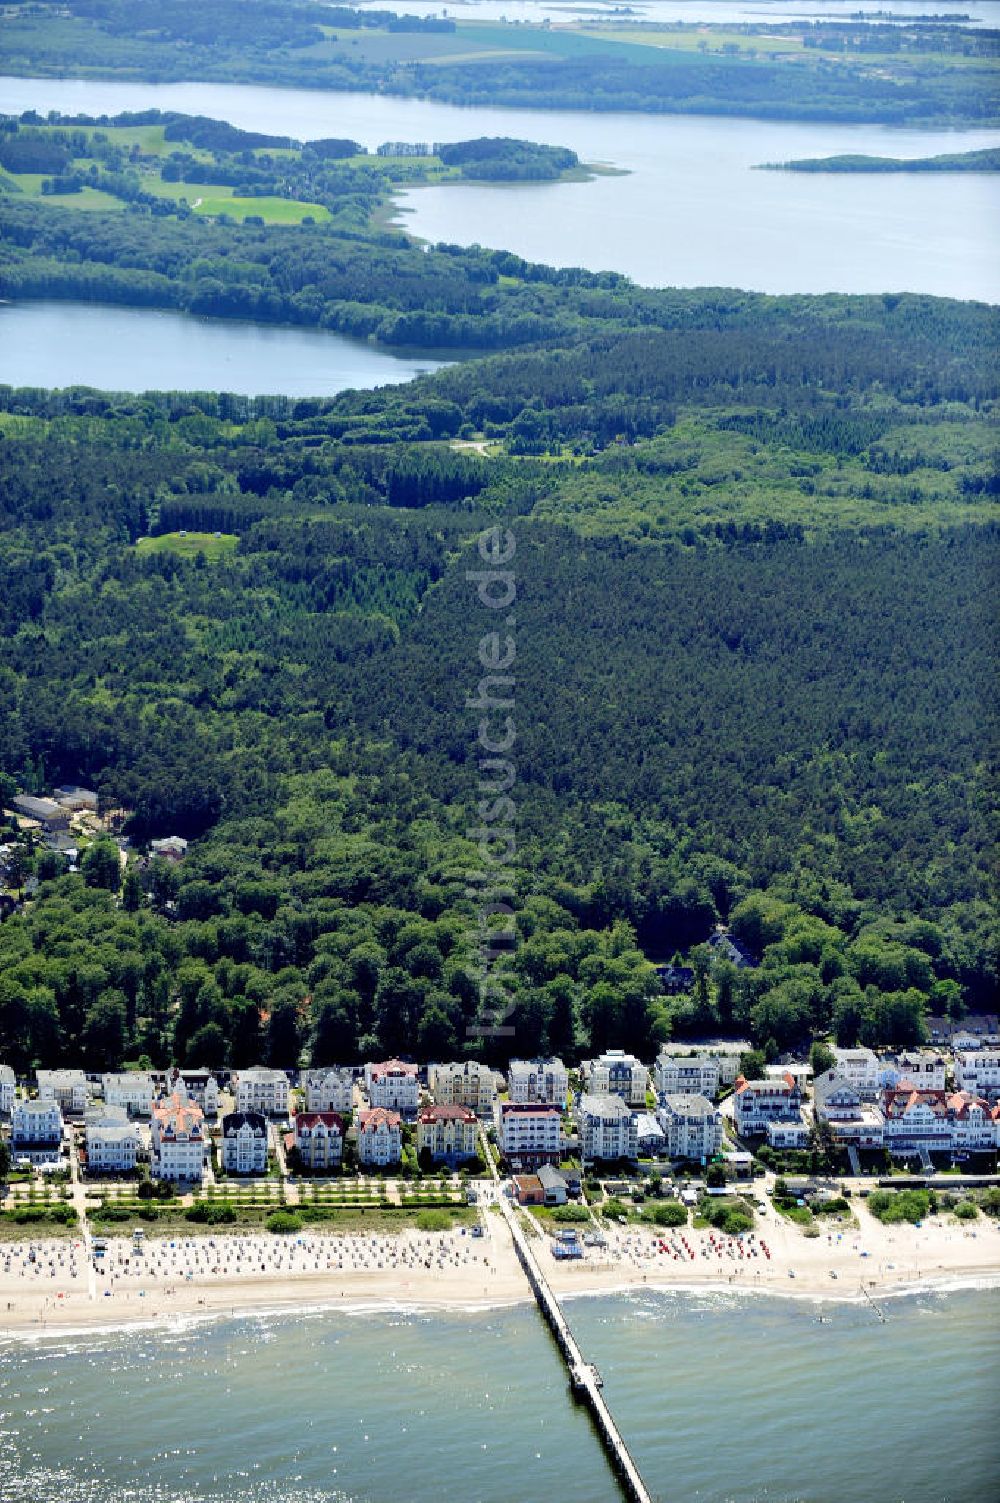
[585, 1378]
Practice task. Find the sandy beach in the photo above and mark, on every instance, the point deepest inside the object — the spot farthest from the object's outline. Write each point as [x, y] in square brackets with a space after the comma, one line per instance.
[54, 1286]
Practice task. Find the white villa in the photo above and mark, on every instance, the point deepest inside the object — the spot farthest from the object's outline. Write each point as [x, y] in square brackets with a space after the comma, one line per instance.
[728, 1052]
[692, 1125]
[319, 1138]
[538, 1080]
[179, 1143]
[199, 1086]
[68, 1087]
[794, 1133]
[861, 1067]
[380, 1137]
[392, 1085]
[918, 1122]
[260, 1089]
[607, 1128]
[8, 1090]
[978, 1071]
[244, 1143]
[529, 1132]
[694, 1075]
[615, 1073]
[922, 1068]
[464, 1083]
[447, 1133]
[36, 1129]
[330, 1090]
[112, 1141]
[835, 1099]
[133, 1090]
[758, 1102]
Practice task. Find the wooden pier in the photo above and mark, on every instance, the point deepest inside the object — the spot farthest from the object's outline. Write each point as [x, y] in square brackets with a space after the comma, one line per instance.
[586, 1381]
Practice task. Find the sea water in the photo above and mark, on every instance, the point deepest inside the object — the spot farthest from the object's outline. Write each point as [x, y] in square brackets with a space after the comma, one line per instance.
[753, 1399]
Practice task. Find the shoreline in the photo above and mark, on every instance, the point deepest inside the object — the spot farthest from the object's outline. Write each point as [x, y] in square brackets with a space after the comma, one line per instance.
[294, 1308]
[59, 1292]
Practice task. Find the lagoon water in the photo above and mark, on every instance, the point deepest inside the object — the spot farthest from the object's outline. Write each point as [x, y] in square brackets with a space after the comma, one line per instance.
[722, 1398]
[718, 12]
[691, 210]
[132, 349]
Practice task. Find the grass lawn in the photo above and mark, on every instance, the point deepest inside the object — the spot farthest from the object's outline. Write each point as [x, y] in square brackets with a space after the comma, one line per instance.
[271, 210]
[189, 543]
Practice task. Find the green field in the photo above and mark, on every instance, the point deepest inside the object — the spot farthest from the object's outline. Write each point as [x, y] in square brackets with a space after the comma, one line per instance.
[187, 544]
[271, 210]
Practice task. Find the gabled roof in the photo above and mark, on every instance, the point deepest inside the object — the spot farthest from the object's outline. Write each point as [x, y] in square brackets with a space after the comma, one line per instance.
[333, 1121]
[377, 1116]
[232, 1122]
[431, 1114]
[391, 1067]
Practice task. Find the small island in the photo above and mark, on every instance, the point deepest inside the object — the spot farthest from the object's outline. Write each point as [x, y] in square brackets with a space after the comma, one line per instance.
[987, 160]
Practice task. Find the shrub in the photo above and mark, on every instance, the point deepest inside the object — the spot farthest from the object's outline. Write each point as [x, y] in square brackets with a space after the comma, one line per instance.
[211, 1213]
[570, 1213]
[893, 1206]
[668, 1213]
[728, 1216]
[966, 1210]
[832, 1207]
[282, 1223]
[66, 1215]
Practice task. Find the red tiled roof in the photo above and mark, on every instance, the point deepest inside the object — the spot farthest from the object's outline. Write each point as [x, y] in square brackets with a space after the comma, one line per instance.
[446, 1114]
[178, 1114]
[377, 1116]
[392, 1067]
[329, 1119]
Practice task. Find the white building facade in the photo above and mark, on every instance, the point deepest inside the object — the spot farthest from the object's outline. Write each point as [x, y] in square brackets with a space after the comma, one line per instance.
[758, 1102]
[244, 1143]
[319, 1139]
[179, 1143]
[607, 1128]
[464, 1083]
[8, 1090]
[978, 1071]
[112, 1141]
[615, 1073]
[36, 1129]
[380, 1137]
[260, 1089]
[329, 1090]
[529, 1133]
[392, 1085]
[538, 1080]
[692, 1126]
[677, 1075]
[132, 1090]
[68, 1087]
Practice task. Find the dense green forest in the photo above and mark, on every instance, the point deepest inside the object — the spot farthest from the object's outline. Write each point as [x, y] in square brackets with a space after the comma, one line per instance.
[987, 160]
[756, 546]
[905, 74]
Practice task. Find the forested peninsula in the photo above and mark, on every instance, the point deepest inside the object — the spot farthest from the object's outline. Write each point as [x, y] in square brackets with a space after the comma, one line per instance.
[837, 71]
[755, 653]
[160, 164]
